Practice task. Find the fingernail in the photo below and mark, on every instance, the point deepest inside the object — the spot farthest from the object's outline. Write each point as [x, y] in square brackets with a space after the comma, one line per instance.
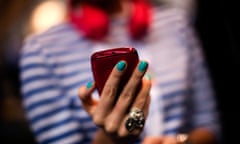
[89, 85]
[121, 65]
[148, 76]
[142, 66]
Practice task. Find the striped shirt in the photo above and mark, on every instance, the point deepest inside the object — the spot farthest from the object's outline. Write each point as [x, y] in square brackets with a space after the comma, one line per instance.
[56, 63]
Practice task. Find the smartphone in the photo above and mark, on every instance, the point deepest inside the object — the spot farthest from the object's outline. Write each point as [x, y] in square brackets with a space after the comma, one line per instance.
[102, 63]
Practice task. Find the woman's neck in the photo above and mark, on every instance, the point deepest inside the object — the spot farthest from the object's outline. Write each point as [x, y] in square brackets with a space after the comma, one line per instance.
[123, 10]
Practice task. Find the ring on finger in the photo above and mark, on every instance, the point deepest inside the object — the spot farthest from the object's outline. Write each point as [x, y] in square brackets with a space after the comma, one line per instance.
[135, 120]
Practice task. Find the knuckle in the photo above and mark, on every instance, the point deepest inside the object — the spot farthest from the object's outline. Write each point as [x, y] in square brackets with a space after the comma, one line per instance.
[99, 121]
[111, 127]
[140, 102]
[109, 90]
[128, 93]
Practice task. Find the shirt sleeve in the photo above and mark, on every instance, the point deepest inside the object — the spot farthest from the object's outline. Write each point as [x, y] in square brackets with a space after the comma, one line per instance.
[47, 109]
[205, 108]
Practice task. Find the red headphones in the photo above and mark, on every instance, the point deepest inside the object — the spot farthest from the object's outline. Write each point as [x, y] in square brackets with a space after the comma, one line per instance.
[94, 22]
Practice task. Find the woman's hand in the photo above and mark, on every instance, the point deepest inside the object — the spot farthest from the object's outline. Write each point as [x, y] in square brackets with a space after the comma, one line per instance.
[196, 136]
[161, 140]
[113, 116]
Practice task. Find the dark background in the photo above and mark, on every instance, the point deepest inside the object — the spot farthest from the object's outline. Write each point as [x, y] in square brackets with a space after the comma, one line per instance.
[217, 25]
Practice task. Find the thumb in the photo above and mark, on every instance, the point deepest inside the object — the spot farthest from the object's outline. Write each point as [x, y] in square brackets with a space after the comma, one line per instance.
[85, 95]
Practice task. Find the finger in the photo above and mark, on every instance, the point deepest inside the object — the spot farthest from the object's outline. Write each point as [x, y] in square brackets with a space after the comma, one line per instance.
[115, 118]
[118, 113]
[108, 95]
[85, 95]
[110, 87]
[142, 103]
[144, 93]
[123, 131]
[128, 93]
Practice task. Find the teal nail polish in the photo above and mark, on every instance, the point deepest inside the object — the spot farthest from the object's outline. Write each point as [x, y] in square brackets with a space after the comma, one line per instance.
[121, 65]
[142, 66]
[89, 85]
[148, 76]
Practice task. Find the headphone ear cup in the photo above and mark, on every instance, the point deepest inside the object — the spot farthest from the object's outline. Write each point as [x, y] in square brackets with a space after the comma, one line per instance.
[140, 20]
[91, 21]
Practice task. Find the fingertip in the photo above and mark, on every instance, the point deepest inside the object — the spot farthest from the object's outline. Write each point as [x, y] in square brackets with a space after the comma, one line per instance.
[147, 79]
[147, 76]
[142, 66]
[89, 85]
[121, 65]
[81, 92]
[86, 90]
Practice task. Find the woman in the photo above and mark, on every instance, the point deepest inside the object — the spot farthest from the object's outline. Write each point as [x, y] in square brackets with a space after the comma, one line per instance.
[176, 105]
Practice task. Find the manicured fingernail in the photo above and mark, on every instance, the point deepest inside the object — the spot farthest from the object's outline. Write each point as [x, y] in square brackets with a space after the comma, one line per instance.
[148, 76]
[142, 66]
[89, 85]
[121, 65]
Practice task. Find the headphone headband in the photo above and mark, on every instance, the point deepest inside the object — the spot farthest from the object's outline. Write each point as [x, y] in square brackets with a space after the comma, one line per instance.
[93, 22]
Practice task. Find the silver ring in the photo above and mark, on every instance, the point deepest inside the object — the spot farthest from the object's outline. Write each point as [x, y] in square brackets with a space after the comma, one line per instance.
[135, 120]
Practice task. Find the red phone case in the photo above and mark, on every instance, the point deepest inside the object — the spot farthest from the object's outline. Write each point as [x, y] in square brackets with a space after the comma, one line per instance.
[103, 62]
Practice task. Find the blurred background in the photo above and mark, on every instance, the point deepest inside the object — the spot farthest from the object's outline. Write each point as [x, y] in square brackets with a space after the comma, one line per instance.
[18, 20]
[216, 22]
